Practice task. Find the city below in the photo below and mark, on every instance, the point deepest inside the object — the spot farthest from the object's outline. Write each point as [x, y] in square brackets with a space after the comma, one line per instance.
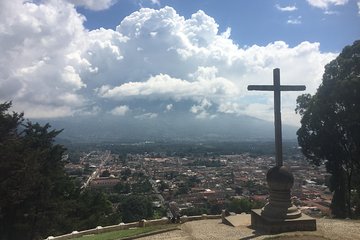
[198, 183]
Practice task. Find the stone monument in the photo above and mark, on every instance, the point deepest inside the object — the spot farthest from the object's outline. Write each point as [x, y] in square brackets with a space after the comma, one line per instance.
[279, 214]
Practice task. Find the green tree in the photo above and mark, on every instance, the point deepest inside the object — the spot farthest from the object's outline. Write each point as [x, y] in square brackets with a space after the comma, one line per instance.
[122, 188]
[142, 186]
[238, 205]
[34, 188]
[92, 209]
[194, 211]
[135, 207]
[330, 126]
[125, 174]
[37, 198]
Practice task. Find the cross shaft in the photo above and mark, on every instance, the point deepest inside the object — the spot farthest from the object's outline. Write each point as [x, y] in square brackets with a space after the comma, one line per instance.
[277, 88]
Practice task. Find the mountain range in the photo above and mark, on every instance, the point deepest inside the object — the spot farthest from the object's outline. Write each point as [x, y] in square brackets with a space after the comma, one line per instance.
[174, 127]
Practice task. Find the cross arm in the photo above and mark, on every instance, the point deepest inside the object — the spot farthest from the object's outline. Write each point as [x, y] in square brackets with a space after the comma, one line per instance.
[271, 88]
[260, 88]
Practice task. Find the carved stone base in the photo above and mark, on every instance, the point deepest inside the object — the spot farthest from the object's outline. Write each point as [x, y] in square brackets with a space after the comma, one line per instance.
[267, 225]
[279, 214]
[280, 180]
[280, 206]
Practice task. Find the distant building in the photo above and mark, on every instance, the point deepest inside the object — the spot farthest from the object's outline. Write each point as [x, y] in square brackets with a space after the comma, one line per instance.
[105, 182]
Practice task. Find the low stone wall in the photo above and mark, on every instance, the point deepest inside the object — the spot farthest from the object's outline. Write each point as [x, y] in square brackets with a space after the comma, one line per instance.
[123, 226]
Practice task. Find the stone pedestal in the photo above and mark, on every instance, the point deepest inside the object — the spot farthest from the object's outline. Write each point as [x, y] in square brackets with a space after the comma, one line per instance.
[261, 223]
[279, 214]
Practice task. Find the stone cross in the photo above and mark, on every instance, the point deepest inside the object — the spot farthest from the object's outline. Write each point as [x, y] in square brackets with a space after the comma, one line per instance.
[277, 88]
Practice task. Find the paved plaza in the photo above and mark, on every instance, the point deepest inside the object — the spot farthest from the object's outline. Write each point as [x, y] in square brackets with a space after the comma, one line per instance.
[214, 229]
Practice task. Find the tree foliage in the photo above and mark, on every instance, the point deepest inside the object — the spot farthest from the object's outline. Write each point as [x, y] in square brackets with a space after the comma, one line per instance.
[37, 198]
[242, 205]
[92, 209]
[135, 207]
[330, 126]
[33, 185]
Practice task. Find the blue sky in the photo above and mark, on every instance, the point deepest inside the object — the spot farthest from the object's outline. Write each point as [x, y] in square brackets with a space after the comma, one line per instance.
[255, 22]
[152, 58]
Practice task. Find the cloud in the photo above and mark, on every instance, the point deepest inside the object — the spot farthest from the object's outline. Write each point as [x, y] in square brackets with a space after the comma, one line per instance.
[327, 12]
[169, 107]
[302, 64]
[204, 83]
[200, 110]
[53, 70]
[156, 2]
[293, 20]
[358, 4]
[286, 8]
[325, 4]
[95, 5]
[264, 111]
[41, 60]
[120, 110]
[144, 3]
[229, 108]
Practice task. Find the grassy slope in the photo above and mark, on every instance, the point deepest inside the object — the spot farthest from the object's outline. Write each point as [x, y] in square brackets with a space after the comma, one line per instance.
[126, 233]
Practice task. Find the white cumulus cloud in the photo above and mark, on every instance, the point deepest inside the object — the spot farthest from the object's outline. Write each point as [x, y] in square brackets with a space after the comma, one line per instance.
[165, 87]
[53, 70]
[120, 110]
[293, 20]
[41, 62]
[95, 5]
[325, 4]
[169, 107]
[200, 110]
[286, 8]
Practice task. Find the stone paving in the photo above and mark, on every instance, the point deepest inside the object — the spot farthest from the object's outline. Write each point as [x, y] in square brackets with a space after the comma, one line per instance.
[214, 229]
